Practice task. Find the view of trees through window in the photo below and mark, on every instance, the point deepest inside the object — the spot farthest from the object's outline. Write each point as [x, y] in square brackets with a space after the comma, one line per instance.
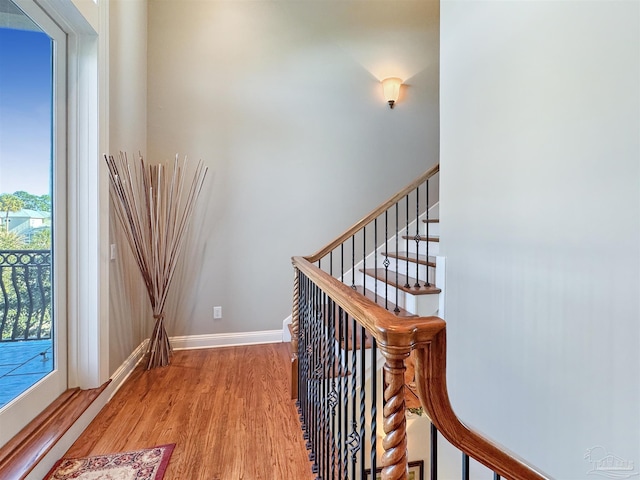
[26, 146]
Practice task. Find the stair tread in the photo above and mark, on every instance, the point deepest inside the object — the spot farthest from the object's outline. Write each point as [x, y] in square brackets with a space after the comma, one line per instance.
[431, 220]
[379, 273]
[422, 259]
[371, 295]
[422, 238]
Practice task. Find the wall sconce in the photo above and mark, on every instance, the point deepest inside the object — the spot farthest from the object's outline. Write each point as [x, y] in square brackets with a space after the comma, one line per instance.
[391, 89]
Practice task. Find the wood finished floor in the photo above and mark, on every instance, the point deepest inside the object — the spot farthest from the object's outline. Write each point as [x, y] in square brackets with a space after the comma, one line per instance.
[227, 410]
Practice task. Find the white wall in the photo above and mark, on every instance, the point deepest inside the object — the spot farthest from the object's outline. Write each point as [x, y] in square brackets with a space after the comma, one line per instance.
[130, 317]
[281, 101]
[540, 208]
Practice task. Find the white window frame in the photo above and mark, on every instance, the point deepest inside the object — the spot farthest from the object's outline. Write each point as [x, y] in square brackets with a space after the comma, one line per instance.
[87, 202]
[29, 403]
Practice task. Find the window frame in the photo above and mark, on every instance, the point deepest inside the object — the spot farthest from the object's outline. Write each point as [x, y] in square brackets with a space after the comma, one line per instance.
[86, 203]
[34, 399]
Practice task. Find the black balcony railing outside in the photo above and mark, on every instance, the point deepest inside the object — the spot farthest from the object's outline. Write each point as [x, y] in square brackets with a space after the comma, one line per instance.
[25, 295]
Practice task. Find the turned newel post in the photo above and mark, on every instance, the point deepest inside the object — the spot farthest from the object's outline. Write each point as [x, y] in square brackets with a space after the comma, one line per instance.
[295, 318]
[394, 458]
[295, 327]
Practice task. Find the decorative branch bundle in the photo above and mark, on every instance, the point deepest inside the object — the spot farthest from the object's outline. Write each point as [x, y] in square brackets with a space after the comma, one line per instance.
[154, 204]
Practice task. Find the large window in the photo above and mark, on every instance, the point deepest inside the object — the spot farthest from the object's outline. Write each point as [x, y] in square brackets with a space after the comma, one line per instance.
[33, 350]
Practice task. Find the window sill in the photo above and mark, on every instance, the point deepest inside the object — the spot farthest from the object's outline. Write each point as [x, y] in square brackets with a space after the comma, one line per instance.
[23, 452]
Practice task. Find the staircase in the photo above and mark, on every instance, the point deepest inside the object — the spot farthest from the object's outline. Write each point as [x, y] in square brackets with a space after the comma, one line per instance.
[393, 263]
[369, 353]
[399, 274]
[404, 273]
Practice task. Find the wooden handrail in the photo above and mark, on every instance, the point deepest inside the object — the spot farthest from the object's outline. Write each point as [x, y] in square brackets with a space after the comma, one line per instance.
[379, 322]
[431, 381]
[426, 335]
[374, 214]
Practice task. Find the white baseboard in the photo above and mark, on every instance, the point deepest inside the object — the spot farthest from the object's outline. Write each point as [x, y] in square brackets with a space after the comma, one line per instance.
[122, 373]
[286, 334]
[225, 339]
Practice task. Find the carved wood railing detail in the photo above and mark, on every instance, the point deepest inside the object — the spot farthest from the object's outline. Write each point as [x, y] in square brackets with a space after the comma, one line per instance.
[294, 314]
[295, 327]
[394, 459]
[396, 339]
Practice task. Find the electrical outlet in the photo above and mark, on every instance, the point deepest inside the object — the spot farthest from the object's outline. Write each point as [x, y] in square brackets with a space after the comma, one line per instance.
[217, 313]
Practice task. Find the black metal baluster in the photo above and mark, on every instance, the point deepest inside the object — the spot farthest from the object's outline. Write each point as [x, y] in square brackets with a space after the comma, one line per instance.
[417, 237]
[345, 399]
[496, 476]
[433, 455]
[318, 381]
[406, 231]
[375, 258]
[303, 335]
[353, 261]
[309, 443]
[314, 383]
[325, 383]
[386, 262]
[363, 374]
[465, 466]
[43, 302]
[397, 309]
[333, 395]
[5, 297]
[354, 441]
[30, 296]
[374, 404]
[342, 262]
[364, 257]
[309, 343]
[14, 280]
[300, 345]
[324, 443]
[317, 430]
[343, 374]
[331, 263]
[427, 283]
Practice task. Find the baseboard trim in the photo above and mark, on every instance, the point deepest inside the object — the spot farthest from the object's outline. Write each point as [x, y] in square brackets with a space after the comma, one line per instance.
[286, 334]
[192, 342]
[122, 373]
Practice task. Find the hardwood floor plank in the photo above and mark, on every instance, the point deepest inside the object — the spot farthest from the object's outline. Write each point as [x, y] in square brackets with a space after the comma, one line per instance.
[228, 410]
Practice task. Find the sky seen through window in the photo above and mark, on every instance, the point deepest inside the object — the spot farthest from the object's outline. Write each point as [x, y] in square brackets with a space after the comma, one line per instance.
[25, 111]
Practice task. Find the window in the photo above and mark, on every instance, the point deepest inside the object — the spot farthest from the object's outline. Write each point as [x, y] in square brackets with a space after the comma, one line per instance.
[33, 346]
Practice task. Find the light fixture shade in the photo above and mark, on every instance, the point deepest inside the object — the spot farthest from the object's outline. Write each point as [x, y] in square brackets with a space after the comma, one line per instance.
[391, 89]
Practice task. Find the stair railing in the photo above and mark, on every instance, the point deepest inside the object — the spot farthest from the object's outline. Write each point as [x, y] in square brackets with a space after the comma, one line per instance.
[394, 225]
[354, 423]
[340, 334]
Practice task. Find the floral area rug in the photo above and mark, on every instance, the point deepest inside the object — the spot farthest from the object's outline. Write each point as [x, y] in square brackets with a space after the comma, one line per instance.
[146, 464]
